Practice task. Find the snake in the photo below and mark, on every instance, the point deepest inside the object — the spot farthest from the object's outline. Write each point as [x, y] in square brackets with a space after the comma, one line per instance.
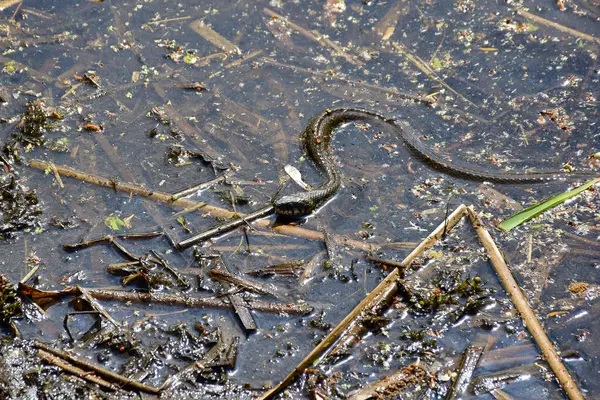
[317, 138]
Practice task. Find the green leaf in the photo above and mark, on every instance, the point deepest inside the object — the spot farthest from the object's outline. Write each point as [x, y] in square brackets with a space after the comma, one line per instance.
[436, 63]
[113, 222]
[190, 58]
[537, 209]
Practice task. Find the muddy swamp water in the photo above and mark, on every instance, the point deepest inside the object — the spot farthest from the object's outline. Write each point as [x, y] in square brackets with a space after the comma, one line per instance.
[128, 128]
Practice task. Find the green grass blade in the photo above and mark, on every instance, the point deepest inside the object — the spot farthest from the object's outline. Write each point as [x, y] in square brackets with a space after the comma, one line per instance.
[536, 209]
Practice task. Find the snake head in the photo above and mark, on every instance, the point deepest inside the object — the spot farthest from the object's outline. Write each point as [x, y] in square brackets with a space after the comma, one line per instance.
[295, 205]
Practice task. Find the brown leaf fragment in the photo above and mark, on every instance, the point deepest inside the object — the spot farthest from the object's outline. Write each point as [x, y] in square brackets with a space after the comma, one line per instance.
[92, 79]
[93, 127]
[578, 287]
[195, 86]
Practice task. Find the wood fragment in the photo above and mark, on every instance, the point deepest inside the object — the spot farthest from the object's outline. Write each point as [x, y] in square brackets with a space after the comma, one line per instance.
[38, 13]
[164, 21]
[242, 311]
[214, 37]
[222, 275]
[393, 385]
[466, 369]
[527, 314]
[500, 394]
[29, 274]
[389, 263]
[292, 268]
[386, 26]
[85, 294]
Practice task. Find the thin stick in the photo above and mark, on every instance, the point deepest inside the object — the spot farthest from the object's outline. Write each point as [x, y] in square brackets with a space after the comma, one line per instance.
[130, 188]
[386, 286]
[224, 228]
[389, 263]
[392, 385]
[466, 368]
[103, 372]
[425, 68]
[551, 24]
[30, 274]
[164, 21]
[499, 394]
[57, 175]
[531, 322]
[200, 186]
[353, 83]
[315, 36]
[244, 58]
[223, 276]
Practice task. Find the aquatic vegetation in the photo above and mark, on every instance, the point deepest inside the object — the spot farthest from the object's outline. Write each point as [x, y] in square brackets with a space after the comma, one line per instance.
[10, 303]
[19, 207]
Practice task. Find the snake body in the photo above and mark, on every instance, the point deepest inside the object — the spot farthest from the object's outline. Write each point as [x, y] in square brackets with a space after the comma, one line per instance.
[317, 138]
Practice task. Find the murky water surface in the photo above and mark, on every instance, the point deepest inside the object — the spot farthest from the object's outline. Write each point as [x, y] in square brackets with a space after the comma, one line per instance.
[141, 85]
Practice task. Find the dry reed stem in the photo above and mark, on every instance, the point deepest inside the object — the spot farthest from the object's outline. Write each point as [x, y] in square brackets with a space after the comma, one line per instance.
[531, 322]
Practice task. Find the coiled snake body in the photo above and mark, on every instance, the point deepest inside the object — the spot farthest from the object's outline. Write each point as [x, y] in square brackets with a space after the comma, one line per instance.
[319, 133]
[317, 137]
